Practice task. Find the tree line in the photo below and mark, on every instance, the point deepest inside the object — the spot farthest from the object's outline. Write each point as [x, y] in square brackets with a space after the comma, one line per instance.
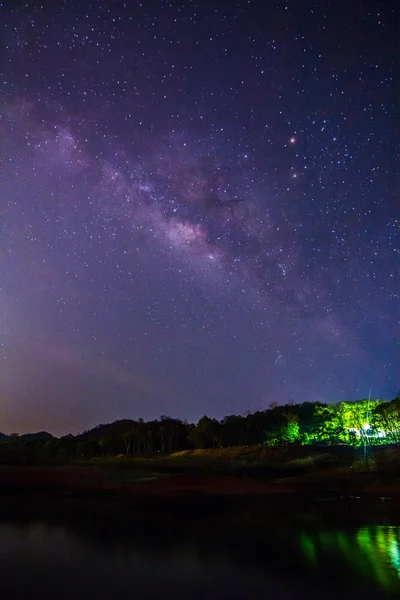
[367, 421]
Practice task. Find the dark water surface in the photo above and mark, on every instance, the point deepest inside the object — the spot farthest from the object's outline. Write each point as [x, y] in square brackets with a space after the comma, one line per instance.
[90, 554]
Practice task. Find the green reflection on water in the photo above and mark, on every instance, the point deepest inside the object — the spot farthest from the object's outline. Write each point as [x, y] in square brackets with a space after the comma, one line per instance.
[308, 548]
[373, 552]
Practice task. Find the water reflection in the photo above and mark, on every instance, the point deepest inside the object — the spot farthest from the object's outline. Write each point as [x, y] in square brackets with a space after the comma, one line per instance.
[91, 555]
[371, 552]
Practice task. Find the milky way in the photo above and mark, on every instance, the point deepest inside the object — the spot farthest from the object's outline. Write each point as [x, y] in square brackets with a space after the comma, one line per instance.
[199, 209]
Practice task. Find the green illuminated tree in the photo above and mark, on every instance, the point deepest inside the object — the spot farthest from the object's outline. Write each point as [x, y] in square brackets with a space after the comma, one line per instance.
[387, 420]
[358, 419]
[283, 427]
[328, 426]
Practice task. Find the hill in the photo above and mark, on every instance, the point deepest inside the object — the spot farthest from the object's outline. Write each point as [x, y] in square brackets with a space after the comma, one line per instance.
[40, 435]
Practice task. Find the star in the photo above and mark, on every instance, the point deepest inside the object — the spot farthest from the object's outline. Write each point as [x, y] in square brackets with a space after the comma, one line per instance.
[195, 213]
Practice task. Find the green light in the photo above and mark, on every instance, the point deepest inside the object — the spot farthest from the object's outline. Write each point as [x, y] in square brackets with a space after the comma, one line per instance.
[394, 554]
[308, 547]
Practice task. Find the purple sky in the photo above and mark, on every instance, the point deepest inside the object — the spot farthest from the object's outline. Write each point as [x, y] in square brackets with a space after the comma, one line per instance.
[198, 209]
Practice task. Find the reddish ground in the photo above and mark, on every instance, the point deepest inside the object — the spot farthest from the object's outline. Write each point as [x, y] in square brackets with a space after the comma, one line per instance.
[75, 480]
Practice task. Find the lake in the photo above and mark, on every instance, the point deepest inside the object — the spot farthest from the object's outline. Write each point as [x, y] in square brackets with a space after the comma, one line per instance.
[66, 553]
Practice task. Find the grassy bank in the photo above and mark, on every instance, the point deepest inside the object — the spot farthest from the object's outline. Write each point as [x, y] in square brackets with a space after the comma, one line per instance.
[269, 464]
[238, 471]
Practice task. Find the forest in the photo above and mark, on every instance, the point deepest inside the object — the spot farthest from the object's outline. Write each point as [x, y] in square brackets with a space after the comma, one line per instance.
[367, 422]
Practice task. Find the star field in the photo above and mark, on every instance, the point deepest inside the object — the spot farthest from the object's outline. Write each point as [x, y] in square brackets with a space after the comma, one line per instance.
[199, 208]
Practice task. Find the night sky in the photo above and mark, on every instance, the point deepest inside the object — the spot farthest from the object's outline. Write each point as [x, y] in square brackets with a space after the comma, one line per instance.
[199, 208]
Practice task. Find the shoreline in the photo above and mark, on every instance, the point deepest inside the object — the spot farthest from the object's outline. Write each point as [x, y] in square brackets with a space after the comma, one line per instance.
[192, 495]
